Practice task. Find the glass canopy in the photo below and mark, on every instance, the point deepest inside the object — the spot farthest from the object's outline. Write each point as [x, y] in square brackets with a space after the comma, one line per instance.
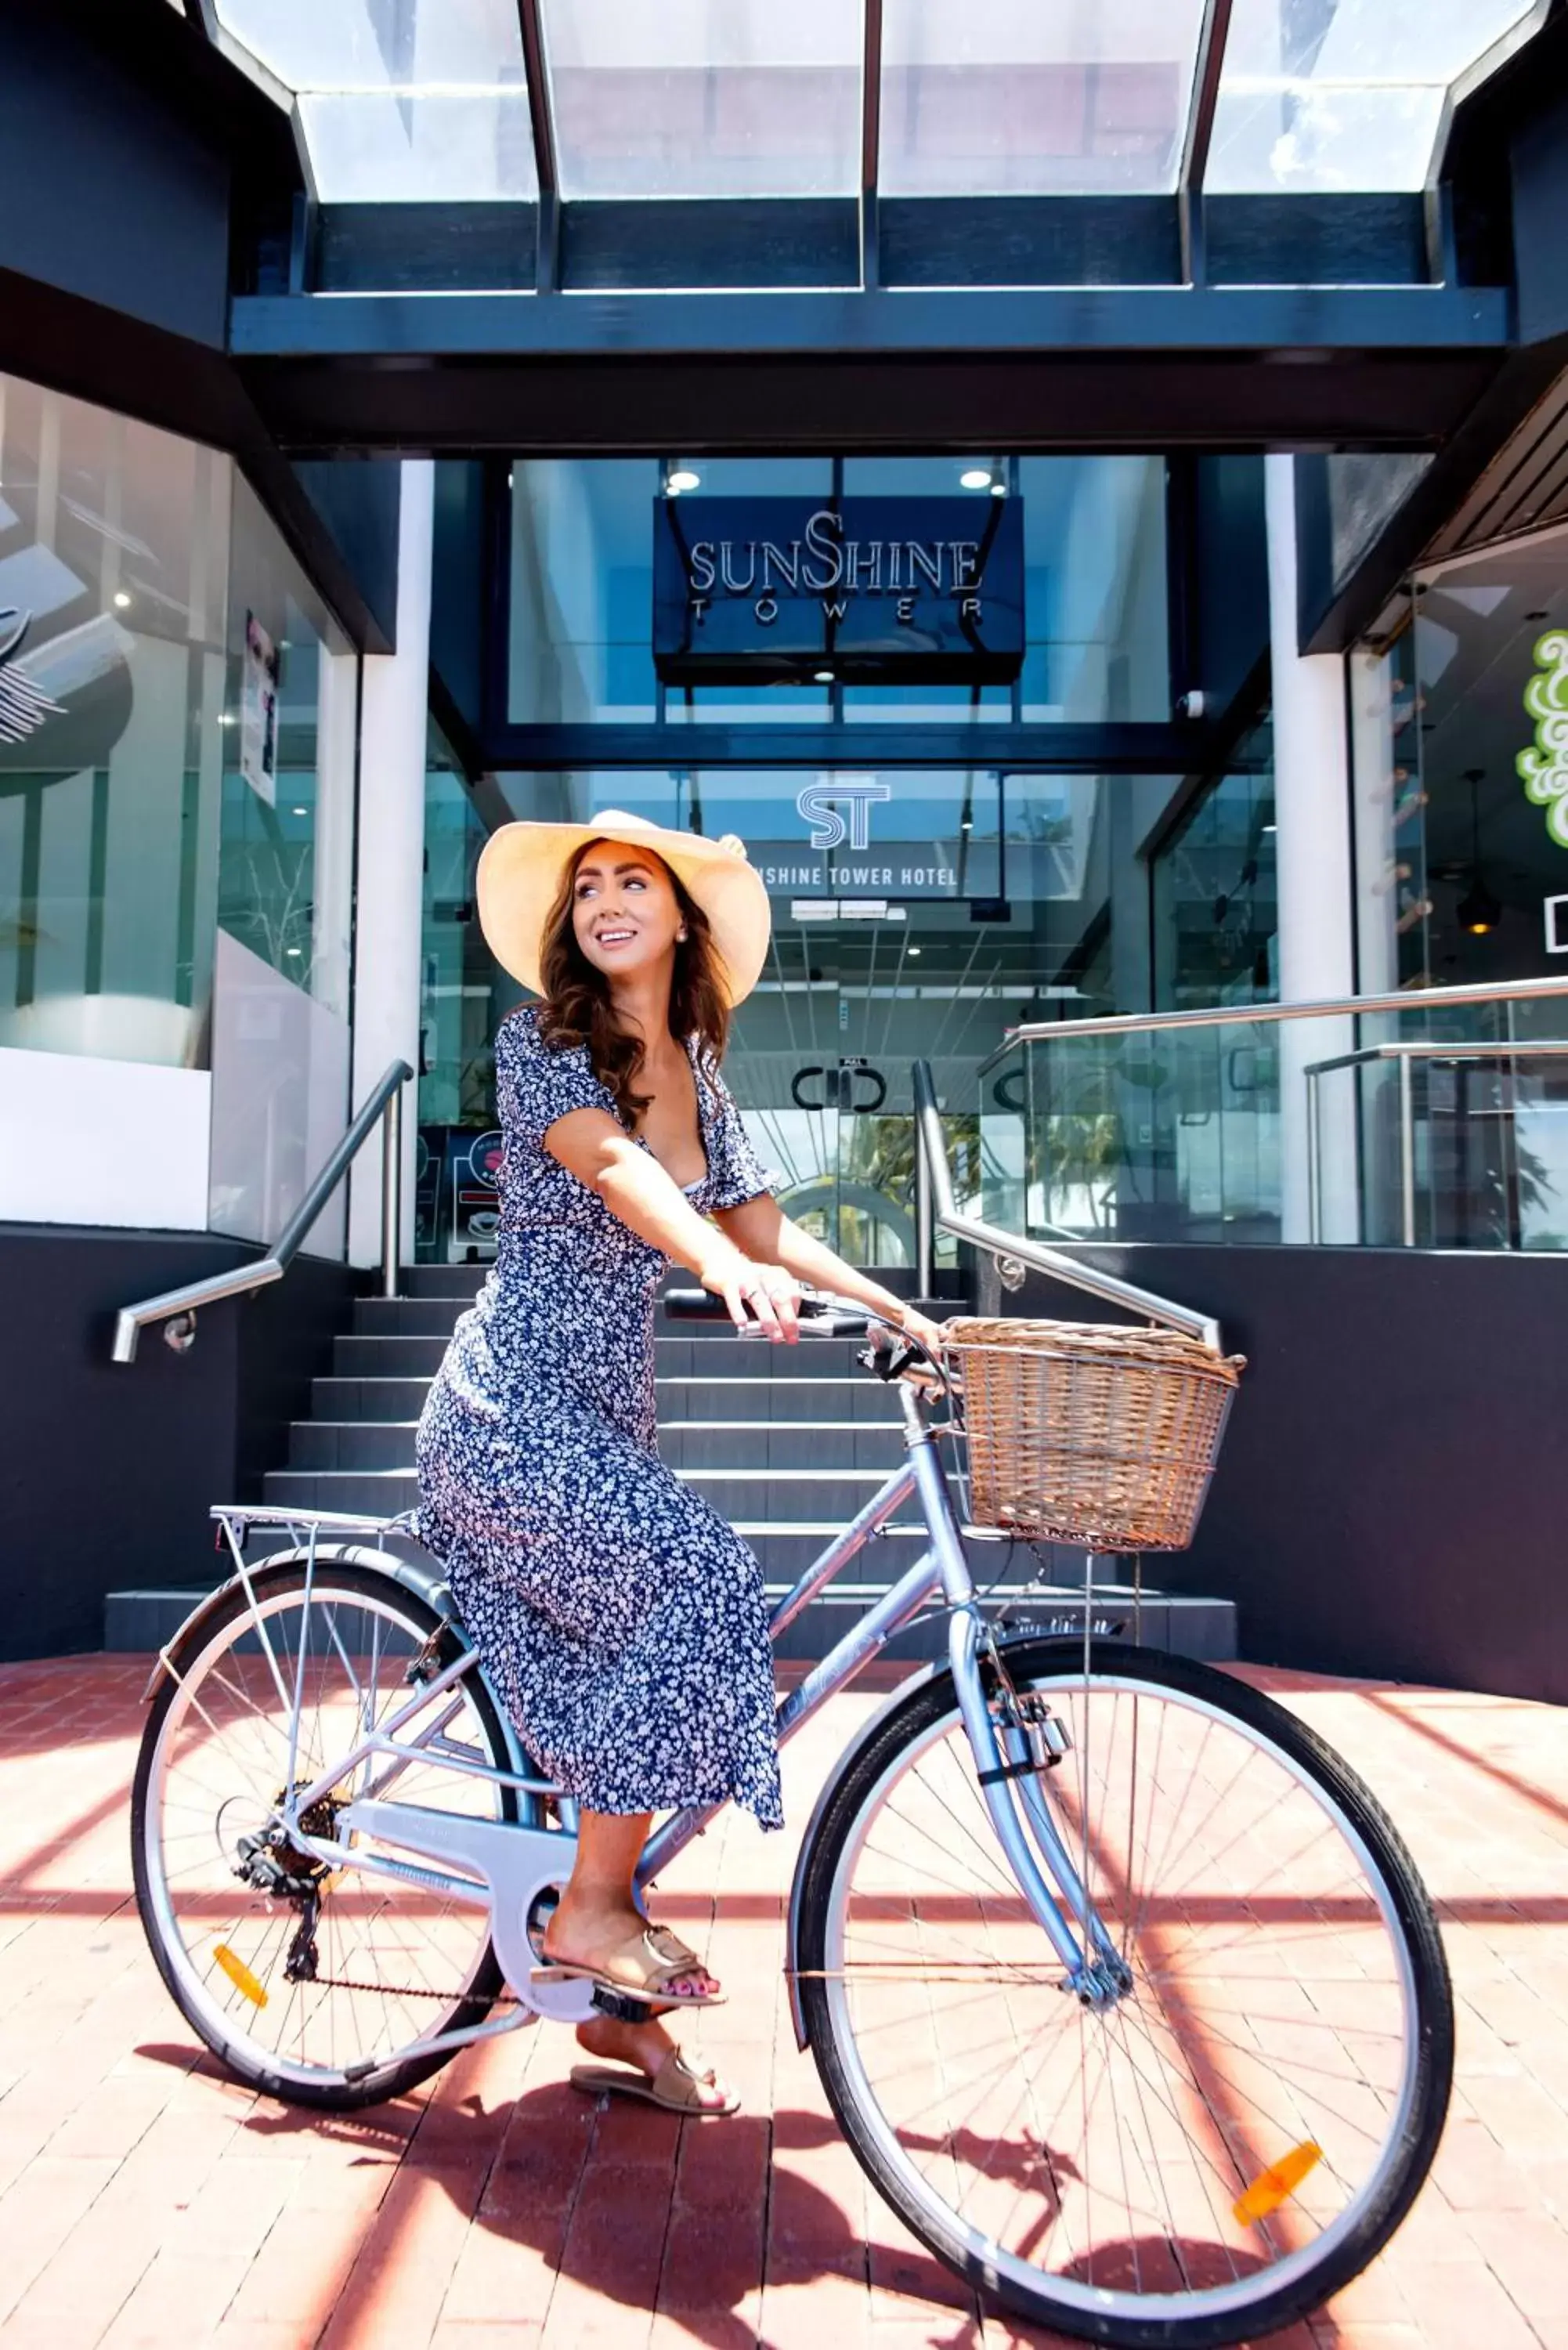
[1349, 94]
[427, 100]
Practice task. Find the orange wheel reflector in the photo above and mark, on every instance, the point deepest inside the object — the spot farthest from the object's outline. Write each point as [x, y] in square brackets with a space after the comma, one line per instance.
[1277, 2184]
[240, 1975]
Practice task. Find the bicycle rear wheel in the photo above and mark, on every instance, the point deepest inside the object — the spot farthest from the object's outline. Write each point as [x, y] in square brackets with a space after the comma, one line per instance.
[1222, 2147]
[309, 2006]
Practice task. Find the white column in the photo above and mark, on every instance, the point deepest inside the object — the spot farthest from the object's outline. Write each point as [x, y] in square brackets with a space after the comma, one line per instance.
[394, 700]
[1316, 933]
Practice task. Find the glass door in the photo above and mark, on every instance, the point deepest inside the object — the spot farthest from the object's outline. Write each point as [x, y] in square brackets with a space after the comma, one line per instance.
[916, 914]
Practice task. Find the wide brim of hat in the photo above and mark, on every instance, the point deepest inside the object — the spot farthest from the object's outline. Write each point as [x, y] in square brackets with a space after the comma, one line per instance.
[522, 866]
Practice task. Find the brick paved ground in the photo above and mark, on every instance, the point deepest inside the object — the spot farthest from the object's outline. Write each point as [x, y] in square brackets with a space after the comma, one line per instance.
[144, 2200]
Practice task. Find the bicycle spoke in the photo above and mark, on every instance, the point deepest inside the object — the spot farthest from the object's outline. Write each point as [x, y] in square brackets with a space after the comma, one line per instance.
[392, 1961]
[1123, 2146]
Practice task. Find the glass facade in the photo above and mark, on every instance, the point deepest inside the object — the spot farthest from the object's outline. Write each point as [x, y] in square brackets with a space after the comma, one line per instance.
[1095, 591]
[1458, 727]
[1458, 723]
[114, 554]
[463, 997]
[178, 717]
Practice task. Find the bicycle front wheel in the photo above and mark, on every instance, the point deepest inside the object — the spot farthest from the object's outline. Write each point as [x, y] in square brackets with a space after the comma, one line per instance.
[1225, 2144]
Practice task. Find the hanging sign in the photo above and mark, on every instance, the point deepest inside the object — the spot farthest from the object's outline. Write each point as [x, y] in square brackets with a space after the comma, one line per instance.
[866, 591]
[258, 712]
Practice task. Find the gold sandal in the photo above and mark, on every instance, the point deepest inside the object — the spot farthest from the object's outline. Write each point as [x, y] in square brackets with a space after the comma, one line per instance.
[677, 2085]
[643, 1967]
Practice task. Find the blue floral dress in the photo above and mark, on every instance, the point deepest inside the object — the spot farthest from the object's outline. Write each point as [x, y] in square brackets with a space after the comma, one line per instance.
[622, 1622]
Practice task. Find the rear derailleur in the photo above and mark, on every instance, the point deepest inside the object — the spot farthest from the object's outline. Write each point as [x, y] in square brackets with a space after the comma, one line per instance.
[271, 1864]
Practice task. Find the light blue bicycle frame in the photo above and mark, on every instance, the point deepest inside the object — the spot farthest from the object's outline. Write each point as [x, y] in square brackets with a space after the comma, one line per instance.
[511, 1864]
[1008, 1776]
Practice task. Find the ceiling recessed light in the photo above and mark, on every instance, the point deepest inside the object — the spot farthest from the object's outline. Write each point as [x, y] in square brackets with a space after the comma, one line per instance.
[966, 824]
[999, 489]
[682, 478]
[296, 951]
[914, 951]
[121, 599]
[822, 676]
[976, 477]
[226, 718]
[301, 811]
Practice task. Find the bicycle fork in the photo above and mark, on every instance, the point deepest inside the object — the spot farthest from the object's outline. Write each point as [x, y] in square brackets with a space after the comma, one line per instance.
[1011, 1754]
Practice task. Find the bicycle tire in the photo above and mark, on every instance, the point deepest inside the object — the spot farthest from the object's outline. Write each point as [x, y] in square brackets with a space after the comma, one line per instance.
[1404, 2171]
[198, 1641]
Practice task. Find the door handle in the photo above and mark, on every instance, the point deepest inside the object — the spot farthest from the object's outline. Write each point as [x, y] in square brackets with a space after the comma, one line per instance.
[830, 1091]
[848, 1081]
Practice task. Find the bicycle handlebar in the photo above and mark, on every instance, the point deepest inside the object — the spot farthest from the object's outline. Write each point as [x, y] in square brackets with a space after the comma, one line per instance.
[819, 1317]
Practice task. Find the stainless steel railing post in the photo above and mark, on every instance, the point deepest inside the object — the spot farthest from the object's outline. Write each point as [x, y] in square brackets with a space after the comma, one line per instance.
[925, 1223]
[1407, 1148]
[391, 1193]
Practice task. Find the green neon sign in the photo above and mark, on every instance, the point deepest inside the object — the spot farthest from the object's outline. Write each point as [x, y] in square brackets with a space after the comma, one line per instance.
[1543, 768]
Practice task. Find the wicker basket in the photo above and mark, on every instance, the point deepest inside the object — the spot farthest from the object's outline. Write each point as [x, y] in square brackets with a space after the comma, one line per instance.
[1081, 1433]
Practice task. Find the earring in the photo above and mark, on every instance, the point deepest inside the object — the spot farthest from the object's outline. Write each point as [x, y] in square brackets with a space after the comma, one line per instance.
[680, 938]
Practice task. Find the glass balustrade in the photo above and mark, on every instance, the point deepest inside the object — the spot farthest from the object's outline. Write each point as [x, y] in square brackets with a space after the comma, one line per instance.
[1439, 1123]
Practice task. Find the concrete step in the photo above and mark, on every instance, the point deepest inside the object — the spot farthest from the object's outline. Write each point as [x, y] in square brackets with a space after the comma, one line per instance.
[711, 1443]
[368, 1399]
[859, 1399]
[774, 1497]
[761, 1400]
[140, 1621]
[358, 1357]
[431, 1315]
[465, 1279]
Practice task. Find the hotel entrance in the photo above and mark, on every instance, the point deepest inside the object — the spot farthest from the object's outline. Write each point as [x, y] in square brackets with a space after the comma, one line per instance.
[916, 914]
[942, 701]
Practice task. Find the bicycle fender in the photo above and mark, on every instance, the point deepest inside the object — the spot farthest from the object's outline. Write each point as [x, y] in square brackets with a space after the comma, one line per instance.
[422, 1576]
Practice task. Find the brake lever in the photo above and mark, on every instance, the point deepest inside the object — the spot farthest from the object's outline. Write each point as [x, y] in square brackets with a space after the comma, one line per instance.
[890, 1362]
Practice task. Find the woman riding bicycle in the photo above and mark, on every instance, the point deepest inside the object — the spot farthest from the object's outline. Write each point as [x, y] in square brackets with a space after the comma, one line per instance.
[623, 1622]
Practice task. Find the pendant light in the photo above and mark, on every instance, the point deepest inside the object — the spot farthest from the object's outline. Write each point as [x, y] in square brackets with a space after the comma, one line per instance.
[1477, 909]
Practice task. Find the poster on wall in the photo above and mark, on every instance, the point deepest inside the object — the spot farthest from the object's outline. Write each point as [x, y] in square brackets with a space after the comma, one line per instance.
[258, 712]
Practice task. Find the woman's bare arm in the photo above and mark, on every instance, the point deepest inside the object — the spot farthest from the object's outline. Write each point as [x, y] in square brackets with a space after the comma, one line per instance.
[766, 1233]
[634, 1187]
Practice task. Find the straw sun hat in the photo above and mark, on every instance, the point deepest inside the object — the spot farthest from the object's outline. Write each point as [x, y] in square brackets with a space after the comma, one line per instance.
[521, 867]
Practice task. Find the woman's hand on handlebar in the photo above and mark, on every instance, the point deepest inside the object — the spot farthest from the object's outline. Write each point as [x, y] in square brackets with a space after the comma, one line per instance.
[761, 1297]
[928, 1333]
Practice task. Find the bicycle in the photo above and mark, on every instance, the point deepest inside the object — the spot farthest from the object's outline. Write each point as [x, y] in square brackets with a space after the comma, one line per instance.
[1120, 1984]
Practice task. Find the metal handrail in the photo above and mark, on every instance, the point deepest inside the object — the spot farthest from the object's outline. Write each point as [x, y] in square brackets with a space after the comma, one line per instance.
[178, 1308]
[1222, 1016]
[931, 1168]
[1404, 1051]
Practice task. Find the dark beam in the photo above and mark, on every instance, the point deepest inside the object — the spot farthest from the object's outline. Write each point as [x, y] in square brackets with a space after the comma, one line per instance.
[870, 145]
[1106, 368]
[761, 406]
[1183, 747]
[1298, 324]
[545, 161]
[1208, 67]
[1359, 601]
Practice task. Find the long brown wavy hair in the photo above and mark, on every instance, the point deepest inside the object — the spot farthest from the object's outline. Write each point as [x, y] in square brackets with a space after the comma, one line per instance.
[578, 1008]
